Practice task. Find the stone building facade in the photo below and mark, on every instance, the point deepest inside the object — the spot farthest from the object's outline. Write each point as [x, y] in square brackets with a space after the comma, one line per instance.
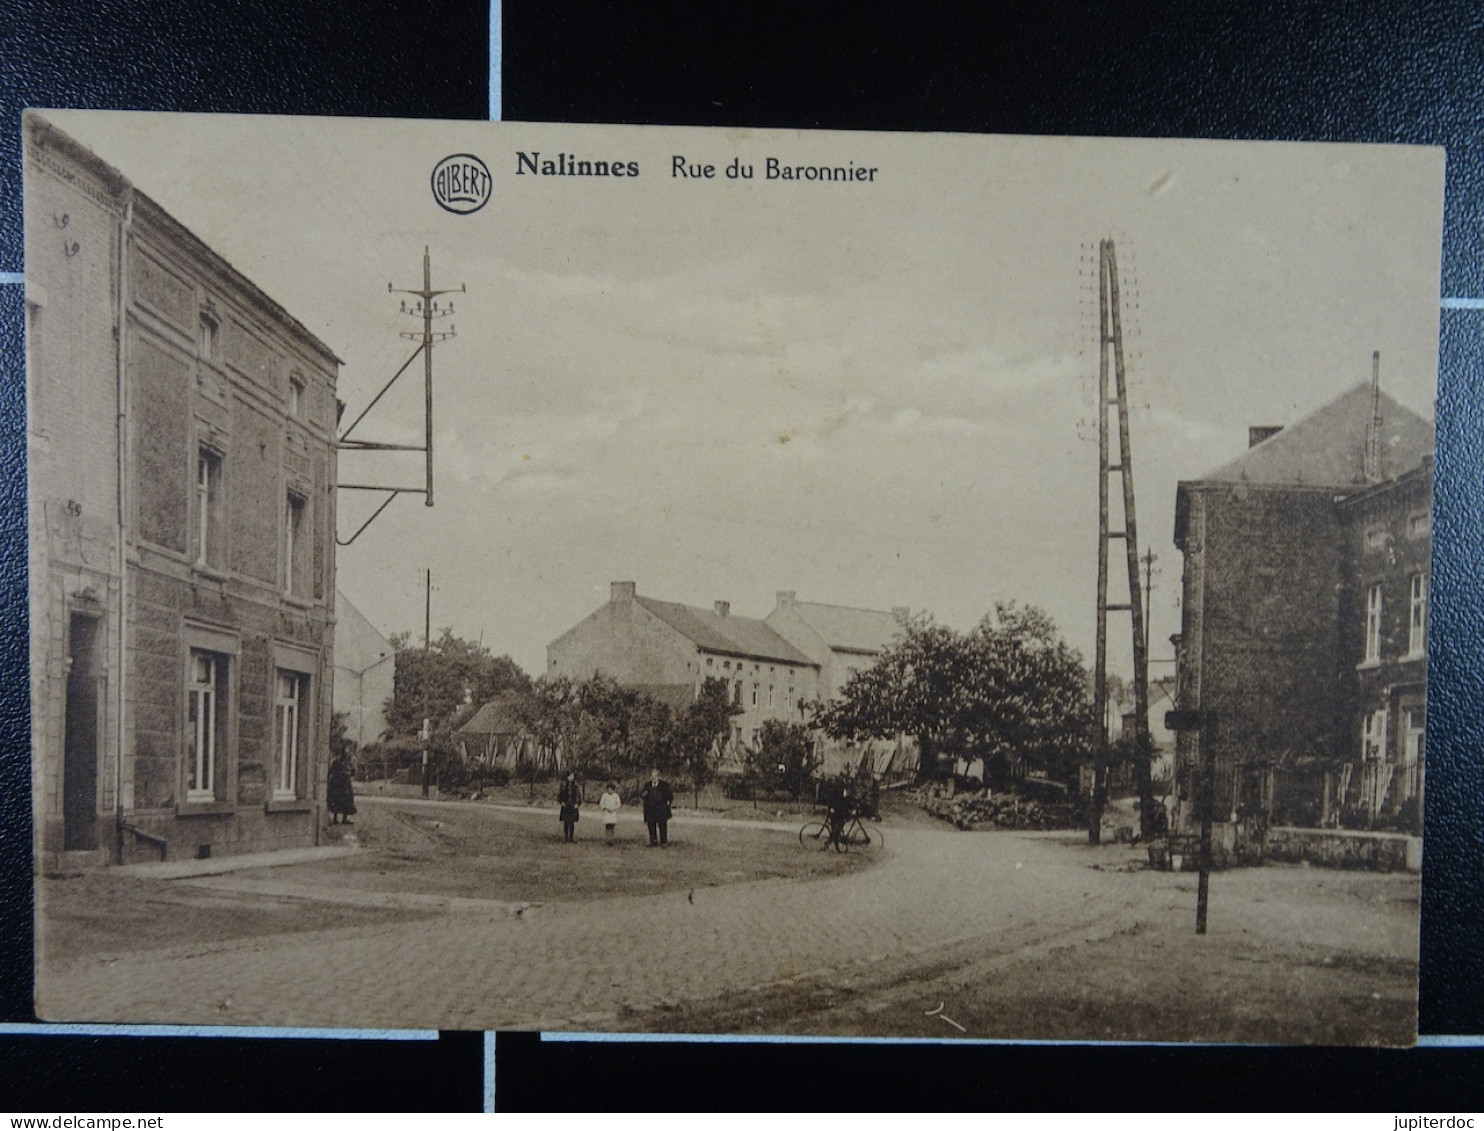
[658, 644]
[840, 639]
[180, 429]
[1288, 550]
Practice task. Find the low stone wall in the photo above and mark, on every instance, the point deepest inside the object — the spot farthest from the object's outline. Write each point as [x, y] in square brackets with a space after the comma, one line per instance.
[1346, 848]
[1326, 848]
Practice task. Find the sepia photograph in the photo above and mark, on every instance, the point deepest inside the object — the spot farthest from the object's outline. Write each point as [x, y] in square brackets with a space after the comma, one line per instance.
[521, 576]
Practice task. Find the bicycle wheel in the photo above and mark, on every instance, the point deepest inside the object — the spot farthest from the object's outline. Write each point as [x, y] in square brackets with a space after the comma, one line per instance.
[816, 834]
[858, 836]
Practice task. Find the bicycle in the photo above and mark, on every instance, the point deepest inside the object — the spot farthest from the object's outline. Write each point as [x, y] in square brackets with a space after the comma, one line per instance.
[852, 834]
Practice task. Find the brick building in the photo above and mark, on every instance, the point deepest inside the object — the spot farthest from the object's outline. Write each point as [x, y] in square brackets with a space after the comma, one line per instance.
[641, 641]
[1304, 616]
[180, 431]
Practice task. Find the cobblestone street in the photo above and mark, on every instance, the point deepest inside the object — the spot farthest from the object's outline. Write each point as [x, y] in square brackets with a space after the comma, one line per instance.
[935, 899]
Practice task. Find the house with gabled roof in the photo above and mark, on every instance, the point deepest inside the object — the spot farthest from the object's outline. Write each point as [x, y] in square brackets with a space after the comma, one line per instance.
[840, 639]
[668, 648]
[1304, 617]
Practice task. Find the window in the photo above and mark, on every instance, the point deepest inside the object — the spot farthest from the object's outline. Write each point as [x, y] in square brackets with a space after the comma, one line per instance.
[204, 687]
[207, 513]
[1417, 622]
[1414, 748]
[208, 334]
[1373, 624]
[295, 560]
[288, 723]
[1419, 525]
[754, 695]
[1373, 736]
[770, 695]
[296, 395]
[709, 661]
[1375, 538]
[737, 694]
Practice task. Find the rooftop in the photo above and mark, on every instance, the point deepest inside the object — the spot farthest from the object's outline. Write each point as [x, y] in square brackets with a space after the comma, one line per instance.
[1327, 447]
[737, 636]
[851, 630]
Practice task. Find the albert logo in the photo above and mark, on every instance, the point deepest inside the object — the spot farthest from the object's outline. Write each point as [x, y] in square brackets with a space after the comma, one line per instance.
[461, 183]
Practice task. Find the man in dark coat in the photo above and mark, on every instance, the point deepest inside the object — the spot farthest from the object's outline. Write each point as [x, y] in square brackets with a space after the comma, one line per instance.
[657, 796]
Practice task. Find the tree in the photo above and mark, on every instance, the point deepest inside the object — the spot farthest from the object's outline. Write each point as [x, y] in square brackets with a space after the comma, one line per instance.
[598, 724]
[446, 682]
[1010, 691]
[700, 730]
[914, 687]
[785, 757]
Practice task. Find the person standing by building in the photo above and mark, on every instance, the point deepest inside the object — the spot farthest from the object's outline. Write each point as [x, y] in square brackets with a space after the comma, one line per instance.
[340, 793]
[657, 796]
[610, 803]
[569, 796]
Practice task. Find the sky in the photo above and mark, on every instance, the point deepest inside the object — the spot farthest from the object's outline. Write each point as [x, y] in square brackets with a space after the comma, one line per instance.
[876, 393]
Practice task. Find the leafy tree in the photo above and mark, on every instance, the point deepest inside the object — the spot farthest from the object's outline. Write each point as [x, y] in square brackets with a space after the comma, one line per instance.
[700, 729]
[1010, 691]
[785, 757]
[546, 711]
[446, 682]
[598, 723]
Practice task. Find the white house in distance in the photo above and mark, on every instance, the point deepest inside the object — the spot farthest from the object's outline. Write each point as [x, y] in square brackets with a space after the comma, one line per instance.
[365, 667]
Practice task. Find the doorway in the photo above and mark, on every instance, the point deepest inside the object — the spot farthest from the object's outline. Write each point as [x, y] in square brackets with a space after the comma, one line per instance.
[82, 733]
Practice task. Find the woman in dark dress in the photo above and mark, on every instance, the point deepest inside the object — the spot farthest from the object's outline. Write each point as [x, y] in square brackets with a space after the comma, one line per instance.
[569, 796]
[340, 794]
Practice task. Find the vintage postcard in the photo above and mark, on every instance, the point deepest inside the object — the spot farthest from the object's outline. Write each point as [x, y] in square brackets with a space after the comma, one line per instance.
[532, 576]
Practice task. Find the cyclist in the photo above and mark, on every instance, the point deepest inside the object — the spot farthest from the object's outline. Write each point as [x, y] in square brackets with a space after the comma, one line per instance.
[842, 807]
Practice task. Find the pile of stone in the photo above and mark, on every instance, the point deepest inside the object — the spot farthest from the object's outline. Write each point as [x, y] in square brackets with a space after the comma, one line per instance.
[1003, 810]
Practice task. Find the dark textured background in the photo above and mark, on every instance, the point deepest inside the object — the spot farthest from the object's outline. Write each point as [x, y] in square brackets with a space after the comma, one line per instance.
[1299, 71]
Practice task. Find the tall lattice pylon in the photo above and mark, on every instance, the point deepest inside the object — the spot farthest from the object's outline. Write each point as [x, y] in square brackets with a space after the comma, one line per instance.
[1110, 356]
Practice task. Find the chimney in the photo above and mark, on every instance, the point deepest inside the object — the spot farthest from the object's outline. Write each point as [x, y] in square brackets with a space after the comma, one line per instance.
[722, 608]
[1372, 457]
[620, 591]
[786, 598]
[1257, 433]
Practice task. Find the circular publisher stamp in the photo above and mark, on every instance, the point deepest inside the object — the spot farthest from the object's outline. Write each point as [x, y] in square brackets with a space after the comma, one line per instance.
[461, 183]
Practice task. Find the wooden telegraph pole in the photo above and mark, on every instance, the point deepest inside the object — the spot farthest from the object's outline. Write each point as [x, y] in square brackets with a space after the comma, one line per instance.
[1110, 360]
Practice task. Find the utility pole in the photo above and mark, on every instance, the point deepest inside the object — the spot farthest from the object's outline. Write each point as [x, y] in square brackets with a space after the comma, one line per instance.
[427, 733]
[426, 307]
[1149, 558]
[1110, 359]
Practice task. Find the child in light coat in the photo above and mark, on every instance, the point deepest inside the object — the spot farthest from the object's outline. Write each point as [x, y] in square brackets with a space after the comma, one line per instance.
[610, 803]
